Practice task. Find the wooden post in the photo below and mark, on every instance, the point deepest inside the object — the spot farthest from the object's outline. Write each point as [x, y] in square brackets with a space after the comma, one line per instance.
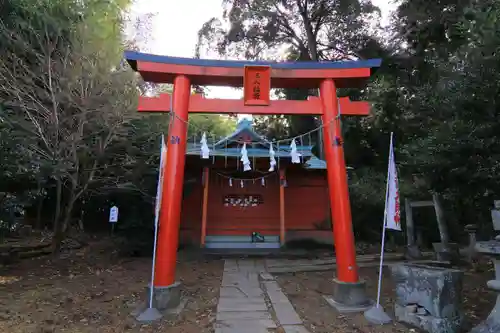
[410, 227]
[443, 229]
[345, 249]
[173, 179]
[412, 248]
[282, 207]
[206, 175]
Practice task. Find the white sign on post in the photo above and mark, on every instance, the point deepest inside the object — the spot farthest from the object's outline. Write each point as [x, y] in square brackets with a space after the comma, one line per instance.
[113, 214]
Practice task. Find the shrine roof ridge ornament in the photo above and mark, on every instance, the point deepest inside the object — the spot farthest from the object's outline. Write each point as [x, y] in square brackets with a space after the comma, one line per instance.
[301, 74]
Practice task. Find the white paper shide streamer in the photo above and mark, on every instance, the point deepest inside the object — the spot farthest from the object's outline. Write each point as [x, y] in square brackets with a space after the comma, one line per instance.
[244, 158]
[294, 154]
[205, 151]
[272, 160]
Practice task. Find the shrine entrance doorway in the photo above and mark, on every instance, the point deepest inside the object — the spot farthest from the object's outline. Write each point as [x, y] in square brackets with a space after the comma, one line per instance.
[240, 205]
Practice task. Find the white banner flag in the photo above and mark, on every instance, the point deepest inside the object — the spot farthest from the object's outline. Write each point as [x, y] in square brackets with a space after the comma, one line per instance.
[393, 212]
[159, 187]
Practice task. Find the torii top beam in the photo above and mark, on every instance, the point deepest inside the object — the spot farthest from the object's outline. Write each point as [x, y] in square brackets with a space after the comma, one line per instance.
[303, 74]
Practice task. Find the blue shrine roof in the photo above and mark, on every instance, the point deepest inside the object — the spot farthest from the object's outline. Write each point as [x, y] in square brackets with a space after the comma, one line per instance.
[257, 147]
[134, 56]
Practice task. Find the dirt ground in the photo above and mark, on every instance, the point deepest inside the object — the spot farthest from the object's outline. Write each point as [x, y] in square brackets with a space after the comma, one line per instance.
[305, 291]
[93, 291]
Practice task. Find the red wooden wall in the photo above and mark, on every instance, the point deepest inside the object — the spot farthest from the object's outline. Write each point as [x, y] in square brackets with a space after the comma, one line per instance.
[306, 207]
[264, 218]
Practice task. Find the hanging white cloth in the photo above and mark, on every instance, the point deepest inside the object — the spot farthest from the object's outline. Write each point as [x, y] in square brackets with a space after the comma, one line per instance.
[230, 182]
[205, 151]
[294, 154]
[242, 185]
[272, 160]
[244, 158]
[263, 181]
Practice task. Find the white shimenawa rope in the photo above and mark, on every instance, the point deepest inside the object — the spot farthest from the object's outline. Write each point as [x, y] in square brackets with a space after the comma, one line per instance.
[262, 140]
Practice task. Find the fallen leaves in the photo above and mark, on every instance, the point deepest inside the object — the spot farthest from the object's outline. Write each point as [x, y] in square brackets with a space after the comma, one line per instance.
[91, 292]
[305, 291]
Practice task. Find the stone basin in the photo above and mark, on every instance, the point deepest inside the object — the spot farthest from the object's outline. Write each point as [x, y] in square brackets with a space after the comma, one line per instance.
[428, 296]
[437, 289]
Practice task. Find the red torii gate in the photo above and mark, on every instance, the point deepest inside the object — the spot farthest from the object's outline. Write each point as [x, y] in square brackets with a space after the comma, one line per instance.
[257, 78]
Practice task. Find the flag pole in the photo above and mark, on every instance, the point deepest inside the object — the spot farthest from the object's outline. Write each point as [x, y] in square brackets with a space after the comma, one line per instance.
[376, 314]
[151, 314]
[384, 226]
[157, 213]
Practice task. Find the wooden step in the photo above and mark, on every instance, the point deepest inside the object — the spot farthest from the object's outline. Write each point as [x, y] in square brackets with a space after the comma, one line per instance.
[239, 239]
[241, 245]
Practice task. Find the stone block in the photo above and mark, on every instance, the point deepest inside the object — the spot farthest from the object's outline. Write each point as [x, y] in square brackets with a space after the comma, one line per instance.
[166, 298]
[295, 329]
[426, 322]
[286, 314]
[225, 329]
[492, 249]
[413, 252]
[438, 290]
[349, 297]
[237, 292]
[266, 276]
[451, 253]
[272, 285]
[429, 297]
[241, 306]
[258, 315]
[246, 323]
[277, 296]
[495, 217]
[229, 301]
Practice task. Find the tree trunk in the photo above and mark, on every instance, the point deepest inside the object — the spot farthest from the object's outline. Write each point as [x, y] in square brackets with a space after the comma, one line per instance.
[68, 214]
[57, 238]
[60, 235]
[38, 225]
[82, 217]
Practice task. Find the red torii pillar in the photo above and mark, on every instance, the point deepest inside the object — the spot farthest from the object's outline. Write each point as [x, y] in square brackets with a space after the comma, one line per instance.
[257, 78]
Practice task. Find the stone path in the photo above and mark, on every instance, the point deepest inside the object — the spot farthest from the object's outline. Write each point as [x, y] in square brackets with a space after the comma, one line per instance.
[252, 302]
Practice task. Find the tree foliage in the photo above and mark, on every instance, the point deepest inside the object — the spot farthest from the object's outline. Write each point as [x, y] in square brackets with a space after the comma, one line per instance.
[72, 145]
[71, 136]
[437, 90]
[317, 30]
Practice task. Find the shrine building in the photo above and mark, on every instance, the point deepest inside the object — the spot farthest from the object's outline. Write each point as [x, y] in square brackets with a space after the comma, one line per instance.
[223, 205]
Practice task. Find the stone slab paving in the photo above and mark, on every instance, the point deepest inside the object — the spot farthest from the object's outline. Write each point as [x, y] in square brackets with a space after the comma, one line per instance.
[252, 302]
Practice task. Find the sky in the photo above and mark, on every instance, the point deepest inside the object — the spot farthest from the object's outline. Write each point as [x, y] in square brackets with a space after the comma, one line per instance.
[176, 23]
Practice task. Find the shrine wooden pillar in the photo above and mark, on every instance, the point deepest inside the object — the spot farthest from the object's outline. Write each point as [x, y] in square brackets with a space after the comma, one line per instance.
[345, 250]
[204, 212]
[282, 207]
[173, 181]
